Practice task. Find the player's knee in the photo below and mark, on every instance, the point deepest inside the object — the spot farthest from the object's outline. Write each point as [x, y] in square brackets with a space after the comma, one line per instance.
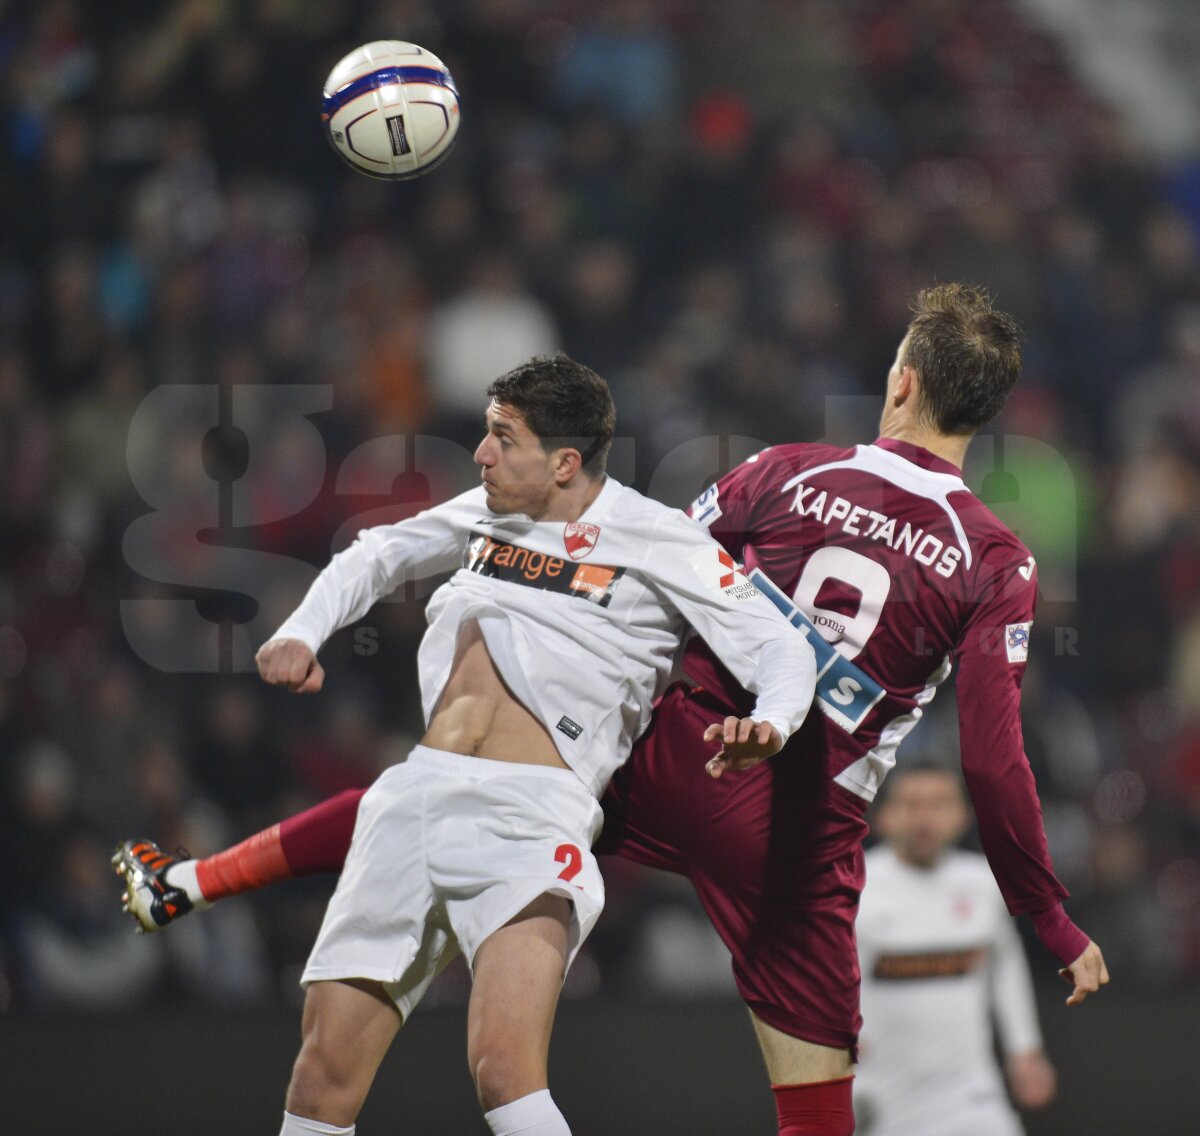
[323, 1085]
[502, 1076]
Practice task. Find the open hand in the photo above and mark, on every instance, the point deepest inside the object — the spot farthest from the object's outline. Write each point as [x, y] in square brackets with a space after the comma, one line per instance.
[744, 742]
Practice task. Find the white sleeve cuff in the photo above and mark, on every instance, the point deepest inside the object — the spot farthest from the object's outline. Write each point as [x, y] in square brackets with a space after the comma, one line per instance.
[291, 630]
[779, 723]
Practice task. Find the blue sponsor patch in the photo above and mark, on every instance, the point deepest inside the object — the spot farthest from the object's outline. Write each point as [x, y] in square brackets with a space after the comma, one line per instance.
[707, 507]
[845, 694]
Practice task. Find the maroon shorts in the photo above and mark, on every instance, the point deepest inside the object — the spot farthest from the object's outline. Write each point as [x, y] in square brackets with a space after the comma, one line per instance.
[774, 853]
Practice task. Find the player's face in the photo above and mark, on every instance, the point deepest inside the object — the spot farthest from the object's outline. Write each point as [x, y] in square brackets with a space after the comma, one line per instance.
[923, 815]
[516, 471]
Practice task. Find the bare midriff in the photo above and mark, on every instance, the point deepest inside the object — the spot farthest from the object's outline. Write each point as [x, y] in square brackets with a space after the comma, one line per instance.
[478, 715]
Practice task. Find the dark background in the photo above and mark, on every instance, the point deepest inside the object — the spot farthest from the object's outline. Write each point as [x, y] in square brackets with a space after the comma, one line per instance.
[667, 1067]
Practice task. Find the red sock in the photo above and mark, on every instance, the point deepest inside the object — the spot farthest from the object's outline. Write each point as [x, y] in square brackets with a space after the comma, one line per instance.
[822, 1108]
[306, 844]
[254, 863]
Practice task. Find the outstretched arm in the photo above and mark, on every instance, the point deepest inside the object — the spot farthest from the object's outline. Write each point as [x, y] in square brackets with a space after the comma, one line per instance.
[377, 562]
[765, 653]
[991, 663]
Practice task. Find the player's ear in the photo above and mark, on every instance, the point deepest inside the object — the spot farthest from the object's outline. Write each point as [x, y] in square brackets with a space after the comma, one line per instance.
[567, 463]
[907, 384]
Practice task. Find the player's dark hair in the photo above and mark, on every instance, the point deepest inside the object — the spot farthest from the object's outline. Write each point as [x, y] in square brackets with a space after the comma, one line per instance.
[967, 354]
[564, 403]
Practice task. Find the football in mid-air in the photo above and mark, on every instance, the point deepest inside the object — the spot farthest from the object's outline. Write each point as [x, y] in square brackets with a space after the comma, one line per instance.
[391, 109]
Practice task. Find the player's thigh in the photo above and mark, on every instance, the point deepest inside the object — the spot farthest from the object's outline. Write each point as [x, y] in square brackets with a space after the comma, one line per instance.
[517, 976]
[774, 854]
[792, 947]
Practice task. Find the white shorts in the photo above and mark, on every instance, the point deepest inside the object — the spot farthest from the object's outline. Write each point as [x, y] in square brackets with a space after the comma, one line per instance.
[446, 850]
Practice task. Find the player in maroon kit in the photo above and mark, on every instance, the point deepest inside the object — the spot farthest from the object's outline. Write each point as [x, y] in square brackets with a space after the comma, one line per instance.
[895, 572]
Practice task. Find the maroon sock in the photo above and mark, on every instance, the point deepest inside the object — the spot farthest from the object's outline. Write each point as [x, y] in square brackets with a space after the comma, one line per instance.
[318, 839]
[821, 1108]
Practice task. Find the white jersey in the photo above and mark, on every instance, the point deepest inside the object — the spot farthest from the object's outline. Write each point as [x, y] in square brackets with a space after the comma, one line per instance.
[939, 955]
[582, 619]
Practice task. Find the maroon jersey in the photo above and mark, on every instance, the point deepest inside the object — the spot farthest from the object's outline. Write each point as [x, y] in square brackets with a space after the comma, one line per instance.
[897, 573]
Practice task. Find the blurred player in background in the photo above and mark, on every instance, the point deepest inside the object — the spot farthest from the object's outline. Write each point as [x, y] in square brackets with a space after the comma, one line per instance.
[895, 572]
[940, 960]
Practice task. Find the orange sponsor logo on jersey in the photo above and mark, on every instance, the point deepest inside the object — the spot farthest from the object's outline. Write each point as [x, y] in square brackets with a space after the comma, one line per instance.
[531, 565]
[594, 579]
[502, 560]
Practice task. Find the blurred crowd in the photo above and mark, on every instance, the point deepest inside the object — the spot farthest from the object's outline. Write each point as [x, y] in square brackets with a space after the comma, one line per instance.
[222, 352]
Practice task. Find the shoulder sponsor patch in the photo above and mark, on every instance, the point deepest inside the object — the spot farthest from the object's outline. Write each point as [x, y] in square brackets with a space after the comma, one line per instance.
[1016, 641]
[722, 574]
[515, 564]
[707, 507]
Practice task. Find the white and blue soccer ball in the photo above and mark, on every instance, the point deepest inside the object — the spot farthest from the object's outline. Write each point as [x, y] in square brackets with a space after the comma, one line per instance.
[391, 109]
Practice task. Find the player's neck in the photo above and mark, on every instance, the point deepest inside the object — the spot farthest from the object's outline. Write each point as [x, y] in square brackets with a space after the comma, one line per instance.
[571, 502]
[948, 447]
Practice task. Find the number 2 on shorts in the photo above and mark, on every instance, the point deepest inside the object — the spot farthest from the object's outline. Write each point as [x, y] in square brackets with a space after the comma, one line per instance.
[570, 855]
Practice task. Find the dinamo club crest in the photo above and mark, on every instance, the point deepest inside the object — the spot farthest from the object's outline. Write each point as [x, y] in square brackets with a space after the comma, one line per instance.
[580, 538]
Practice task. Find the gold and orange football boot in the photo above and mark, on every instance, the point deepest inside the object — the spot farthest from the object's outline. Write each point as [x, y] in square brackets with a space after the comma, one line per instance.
[153, 902]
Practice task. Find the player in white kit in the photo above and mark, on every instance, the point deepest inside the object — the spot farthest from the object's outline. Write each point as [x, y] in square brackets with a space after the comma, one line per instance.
[940, 960]
[545, 652]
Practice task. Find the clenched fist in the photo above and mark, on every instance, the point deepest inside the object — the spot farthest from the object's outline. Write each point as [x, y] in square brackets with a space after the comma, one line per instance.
[290, 663]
